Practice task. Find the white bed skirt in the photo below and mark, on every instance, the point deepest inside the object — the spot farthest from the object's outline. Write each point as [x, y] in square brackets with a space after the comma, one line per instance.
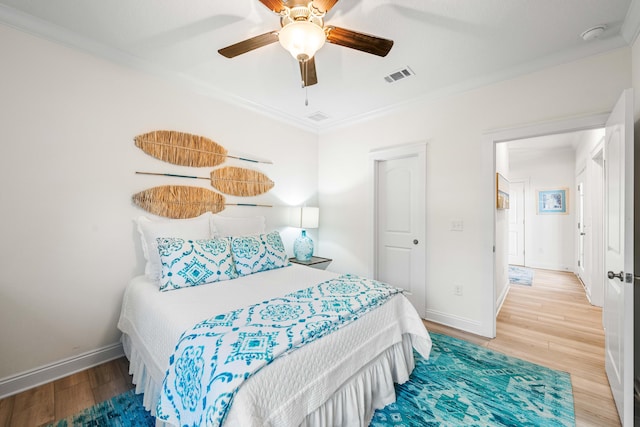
[369, 389]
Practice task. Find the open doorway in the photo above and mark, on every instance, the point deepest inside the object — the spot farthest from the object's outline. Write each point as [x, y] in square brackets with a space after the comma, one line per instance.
[555, 217]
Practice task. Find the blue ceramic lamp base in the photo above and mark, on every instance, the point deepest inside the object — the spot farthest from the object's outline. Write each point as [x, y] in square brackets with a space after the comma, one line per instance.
[303, 247]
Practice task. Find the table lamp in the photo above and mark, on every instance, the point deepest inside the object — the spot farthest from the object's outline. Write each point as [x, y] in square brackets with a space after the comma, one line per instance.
[303, 245]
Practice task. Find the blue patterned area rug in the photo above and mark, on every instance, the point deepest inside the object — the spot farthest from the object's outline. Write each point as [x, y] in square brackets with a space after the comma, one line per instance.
[124, 410]
[520, 275]
[463, 384]
[460, 385]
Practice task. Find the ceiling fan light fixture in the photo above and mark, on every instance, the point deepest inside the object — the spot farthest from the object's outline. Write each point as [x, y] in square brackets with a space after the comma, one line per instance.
[302, 39]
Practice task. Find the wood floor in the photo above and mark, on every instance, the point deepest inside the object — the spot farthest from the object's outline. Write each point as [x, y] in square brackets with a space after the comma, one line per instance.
[67, 396]
[550, 323]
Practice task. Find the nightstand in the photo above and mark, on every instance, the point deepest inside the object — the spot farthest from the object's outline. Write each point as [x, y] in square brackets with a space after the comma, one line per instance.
[314, 262]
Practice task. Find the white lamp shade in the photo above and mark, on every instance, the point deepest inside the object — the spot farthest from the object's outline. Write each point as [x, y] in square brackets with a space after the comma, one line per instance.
[310, 217]
[302, 38]
[306, 217]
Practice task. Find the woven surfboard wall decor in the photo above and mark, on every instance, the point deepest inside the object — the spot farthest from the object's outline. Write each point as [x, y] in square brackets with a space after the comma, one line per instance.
[242, 182]
[179, 201]
[231, 180]
[185, 149]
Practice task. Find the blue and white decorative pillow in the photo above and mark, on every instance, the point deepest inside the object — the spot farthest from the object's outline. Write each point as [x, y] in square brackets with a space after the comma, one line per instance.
[258, 252]
[187, 263]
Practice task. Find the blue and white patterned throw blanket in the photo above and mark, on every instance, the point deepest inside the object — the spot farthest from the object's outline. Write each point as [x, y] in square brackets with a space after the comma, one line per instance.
[212, 359]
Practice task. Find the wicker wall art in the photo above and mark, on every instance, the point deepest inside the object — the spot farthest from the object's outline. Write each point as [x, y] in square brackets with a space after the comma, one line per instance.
[178, 201]
[181, 202]
[231, 180]
[184, 149]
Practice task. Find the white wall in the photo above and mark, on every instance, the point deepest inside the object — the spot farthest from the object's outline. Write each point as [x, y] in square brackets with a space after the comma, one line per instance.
[67, 162]
[456, 179]
[549, 242]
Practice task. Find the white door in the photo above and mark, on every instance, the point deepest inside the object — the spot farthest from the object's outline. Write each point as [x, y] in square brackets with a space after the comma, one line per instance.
[618, 292]
[516, 223]
[400, 222]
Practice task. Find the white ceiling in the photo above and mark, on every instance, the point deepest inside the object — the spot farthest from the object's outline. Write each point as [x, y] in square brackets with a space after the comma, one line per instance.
[450, 45]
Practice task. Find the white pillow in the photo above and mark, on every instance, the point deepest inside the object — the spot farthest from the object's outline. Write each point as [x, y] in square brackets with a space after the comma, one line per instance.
[187, 263]
[224, 226]
[192, 228]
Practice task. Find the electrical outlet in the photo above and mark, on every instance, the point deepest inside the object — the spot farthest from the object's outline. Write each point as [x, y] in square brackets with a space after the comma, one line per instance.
[457, 290]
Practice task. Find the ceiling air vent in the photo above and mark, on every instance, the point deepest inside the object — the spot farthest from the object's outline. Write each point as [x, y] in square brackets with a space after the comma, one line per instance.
[399, 75]
[318, 116]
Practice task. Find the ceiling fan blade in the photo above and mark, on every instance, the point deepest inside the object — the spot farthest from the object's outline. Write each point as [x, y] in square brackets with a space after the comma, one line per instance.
[308, 72]
[249, 44]
[324, 5]
[359, 41]
[274, 5]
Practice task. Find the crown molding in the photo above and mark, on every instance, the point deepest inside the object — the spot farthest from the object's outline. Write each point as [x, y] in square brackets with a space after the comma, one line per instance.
[631, 25]
[46, 30]
[51, 32]
[584, 51]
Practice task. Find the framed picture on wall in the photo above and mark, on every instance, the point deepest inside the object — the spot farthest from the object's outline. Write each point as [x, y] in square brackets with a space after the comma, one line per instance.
[553, 201]
[502, 190]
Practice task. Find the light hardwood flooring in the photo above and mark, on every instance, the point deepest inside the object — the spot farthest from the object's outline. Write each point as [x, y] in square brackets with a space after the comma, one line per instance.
[550, 323]
[64, 397]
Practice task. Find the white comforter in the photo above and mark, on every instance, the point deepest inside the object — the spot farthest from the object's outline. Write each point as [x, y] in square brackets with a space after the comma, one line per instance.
[308, 386]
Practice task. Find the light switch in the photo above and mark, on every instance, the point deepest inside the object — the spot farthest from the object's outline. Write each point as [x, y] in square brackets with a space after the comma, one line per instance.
[457, 225]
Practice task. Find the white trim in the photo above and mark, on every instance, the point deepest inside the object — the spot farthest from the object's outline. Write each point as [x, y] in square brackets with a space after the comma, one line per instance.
[631, 25]
[458, 322]
[593, 121]
[398, 151]
[57, 34]
[584, 51]
[488, 214]
[40, 28]
[488, 171]
[553, 267]
[60, 369]
[502, 297]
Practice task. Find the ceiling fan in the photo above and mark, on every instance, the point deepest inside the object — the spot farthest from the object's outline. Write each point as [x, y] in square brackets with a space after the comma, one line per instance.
[303, 32]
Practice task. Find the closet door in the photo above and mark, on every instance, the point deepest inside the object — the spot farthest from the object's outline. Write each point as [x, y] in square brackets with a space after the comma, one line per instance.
[400, 223]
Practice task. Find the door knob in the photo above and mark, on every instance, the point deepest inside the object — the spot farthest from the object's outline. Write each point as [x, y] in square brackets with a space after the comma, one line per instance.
[611, 275]
[415, 241]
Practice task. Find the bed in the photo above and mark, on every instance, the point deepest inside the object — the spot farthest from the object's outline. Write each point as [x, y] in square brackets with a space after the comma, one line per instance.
[339, 379]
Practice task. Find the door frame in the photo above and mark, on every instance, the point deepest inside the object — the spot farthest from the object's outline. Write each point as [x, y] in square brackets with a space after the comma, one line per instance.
[488, 212]
[580, 209]
[596, 293]
[418, 149]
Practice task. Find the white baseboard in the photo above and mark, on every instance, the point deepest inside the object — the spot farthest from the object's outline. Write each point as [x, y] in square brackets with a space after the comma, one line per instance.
[554, 267]
[60, 369]
[502, 297]
[464, 324]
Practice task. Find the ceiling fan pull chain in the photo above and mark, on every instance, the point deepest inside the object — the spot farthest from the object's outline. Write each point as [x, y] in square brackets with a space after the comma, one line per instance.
[304, 67]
